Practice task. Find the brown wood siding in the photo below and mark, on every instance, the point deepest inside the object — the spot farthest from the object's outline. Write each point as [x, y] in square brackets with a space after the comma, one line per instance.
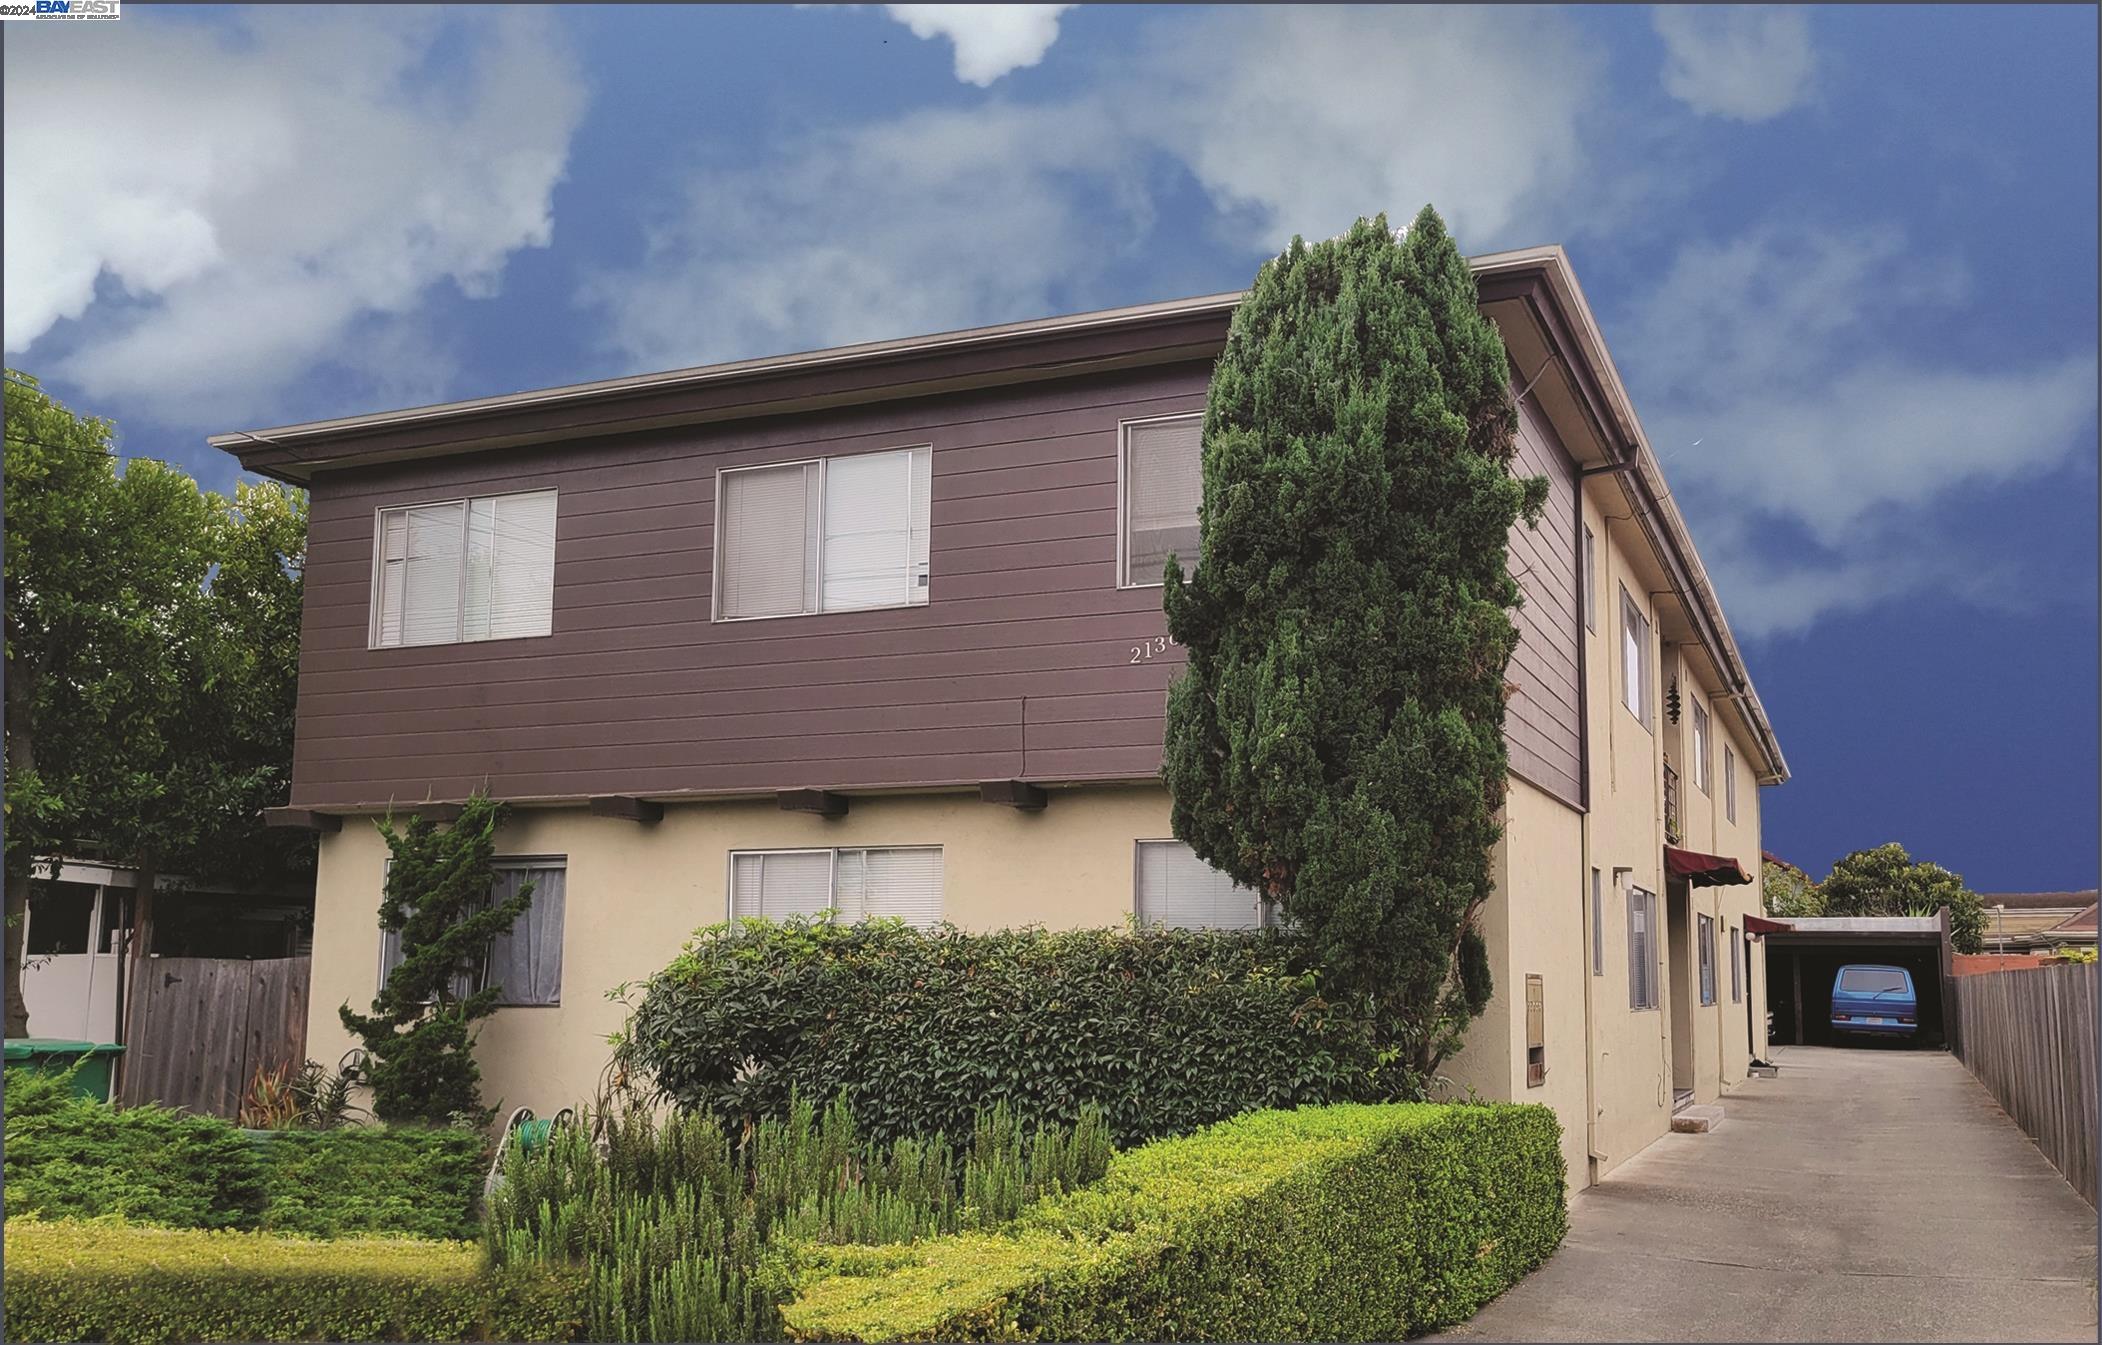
[637, 691]
[1020, 666]
[1543, 724]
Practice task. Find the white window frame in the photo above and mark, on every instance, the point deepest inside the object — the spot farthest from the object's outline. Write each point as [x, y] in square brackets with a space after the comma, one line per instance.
[1598, 923]
[831, 853]
[1636, 685]
[1266, 910]
[1729, 783]
[1703, 747]
[1736, 964]
[921, 595]
[1588, 559]
[379, 569]
[1124, 579]
[1642, 970]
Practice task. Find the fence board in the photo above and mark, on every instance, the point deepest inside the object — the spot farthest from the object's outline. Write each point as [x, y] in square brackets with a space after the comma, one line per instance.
[200, 1027]
[2029, 1036]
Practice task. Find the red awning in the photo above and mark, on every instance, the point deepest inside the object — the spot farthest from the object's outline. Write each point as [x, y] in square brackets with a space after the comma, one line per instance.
[1704, 870]
[1759, 924]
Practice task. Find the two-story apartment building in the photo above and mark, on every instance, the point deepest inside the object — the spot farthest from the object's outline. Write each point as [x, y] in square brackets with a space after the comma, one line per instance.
[879, 629]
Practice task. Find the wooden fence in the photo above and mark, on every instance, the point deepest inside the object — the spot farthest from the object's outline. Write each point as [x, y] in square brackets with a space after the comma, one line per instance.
[200, 1027]
[2029, 1036]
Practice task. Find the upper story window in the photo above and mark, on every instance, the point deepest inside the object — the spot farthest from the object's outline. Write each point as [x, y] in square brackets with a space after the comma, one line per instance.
[1729, 782]
[478, 569]
[1589, 562]
[829, 535]
[900, 882]
[1703, 774]
[1635, 675]
[1173, 887]
[1161, 476]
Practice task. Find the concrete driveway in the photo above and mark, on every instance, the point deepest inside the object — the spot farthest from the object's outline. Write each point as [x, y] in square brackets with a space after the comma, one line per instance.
[1862, 1195]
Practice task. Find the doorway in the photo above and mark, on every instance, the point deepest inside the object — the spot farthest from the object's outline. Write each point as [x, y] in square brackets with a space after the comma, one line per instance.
[1679, 987]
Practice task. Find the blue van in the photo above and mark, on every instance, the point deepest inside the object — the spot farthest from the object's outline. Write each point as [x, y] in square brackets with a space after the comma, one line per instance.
[1874, 1001]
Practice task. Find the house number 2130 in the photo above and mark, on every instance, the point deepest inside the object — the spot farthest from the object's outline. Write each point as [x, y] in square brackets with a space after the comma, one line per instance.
[1152, 649]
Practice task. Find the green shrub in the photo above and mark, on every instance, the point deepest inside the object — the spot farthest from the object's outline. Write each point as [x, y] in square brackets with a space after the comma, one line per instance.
[1163, 1030]
[112, 1282]
[684, 1234]
[326, 1183]
[1348, 1222]
[76, 1157]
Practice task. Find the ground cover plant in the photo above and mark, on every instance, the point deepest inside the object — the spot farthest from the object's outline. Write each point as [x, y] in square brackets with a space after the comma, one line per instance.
[684, 1230]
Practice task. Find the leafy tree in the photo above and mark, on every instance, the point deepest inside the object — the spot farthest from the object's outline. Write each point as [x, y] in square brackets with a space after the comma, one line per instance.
[436, 900]
[1337, 738]
[1787, 891]
[152, 653]
[1888, 881]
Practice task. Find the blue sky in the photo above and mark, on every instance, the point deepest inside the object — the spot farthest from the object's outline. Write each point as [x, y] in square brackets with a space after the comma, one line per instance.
[1844, 257]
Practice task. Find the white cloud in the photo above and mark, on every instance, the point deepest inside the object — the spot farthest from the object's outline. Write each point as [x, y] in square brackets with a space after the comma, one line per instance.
[938, 220]
[1295, 121]
[271, 186]
[1772, 386]
[1305, 117]
[990, 40]
[1745, 63]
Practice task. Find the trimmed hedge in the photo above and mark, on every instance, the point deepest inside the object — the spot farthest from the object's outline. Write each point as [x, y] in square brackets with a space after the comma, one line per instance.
[76, 1158]
[328, 1183]
[69, 1281]
[1349, 1222]
[1163, 1030]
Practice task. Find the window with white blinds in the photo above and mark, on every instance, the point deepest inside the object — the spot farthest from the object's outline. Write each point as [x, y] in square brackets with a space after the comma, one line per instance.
[1163, 480]
[478, 569]
[898, 882]
[1173, 887]
[833, 535]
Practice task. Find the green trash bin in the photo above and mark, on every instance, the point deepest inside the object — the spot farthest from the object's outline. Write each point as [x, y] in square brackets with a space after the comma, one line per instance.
[51, 1055]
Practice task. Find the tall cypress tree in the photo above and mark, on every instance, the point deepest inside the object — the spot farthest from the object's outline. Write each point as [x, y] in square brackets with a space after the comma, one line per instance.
[1337, 738]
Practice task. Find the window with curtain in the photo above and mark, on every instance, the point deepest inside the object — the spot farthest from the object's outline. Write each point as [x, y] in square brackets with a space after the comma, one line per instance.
[831, 535]
[1634, 659]
[1173, 887]
[1163, 480]
[1729, 782]
[526, 961]
[1702, 774]
[893, 882]
[1706, 932]
[1642, 949]
[476, 569]
[1736, 965]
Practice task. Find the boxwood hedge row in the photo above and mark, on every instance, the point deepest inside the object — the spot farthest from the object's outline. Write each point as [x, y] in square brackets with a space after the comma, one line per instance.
[1334, 1223]
[1163, 1030]
[133, 1285]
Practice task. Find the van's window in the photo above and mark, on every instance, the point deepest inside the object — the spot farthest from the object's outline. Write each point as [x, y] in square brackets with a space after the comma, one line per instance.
[1871, 980]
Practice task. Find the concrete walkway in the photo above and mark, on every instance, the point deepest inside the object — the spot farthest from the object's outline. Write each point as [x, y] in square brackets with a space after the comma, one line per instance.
[1862, 1195]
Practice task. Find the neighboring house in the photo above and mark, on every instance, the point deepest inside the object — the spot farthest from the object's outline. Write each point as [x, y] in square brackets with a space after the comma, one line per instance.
[879, 629]
[2025, 922]
[75, 939]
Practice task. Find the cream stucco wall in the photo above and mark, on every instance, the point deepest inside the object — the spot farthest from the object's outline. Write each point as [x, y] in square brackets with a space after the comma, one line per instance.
[636, 892]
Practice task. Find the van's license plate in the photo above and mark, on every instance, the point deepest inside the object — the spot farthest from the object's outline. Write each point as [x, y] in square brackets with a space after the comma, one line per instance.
[1877, 1022]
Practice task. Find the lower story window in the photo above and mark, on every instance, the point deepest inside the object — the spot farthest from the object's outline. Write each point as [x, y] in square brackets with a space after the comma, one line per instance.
[1173, 887]
[897, 882]
[1642, 949]
[1706, 931]
[526, 960]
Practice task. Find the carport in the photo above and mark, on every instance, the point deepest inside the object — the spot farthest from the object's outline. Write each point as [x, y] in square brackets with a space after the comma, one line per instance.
[1803, 956]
